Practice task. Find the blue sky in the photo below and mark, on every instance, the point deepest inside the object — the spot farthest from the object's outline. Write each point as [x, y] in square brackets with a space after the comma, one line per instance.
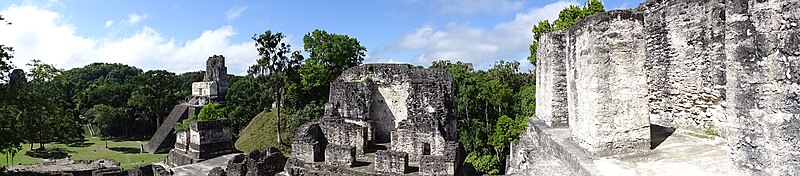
[178, 35]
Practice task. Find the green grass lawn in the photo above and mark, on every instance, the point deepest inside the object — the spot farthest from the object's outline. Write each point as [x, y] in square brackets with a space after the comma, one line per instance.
[125, 152]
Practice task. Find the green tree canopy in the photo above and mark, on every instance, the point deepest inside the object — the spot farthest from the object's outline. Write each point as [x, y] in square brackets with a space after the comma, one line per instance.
[566, 19]
[329, 55]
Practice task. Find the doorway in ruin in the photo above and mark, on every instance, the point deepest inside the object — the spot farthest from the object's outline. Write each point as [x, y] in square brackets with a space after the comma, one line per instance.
[388, 109]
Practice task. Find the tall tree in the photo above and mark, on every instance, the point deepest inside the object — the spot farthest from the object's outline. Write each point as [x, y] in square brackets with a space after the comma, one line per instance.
[275, 62]
[6, 54]
[246, 98]
[329, 55]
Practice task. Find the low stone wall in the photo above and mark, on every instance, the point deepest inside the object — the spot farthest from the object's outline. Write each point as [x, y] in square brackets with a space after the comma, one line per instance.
[339, 132]
[391, 162]
[309, 143]
[204, 140]
[340, 155]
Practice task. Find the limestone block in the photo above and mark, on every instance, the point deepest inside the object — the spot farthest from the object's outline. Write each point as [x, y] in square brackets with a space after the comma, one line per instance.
[391, 162]
[340, 155]
[607, 90]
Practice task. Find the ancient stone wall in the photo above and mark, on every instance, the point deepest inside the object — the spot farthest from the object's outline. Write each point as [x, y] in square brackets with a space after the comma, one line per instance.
[370, 105]
[308, 144]
[216, 71]
[708, 65]
[204, 140]
[762, 46]
[551, 84]
[606, 83]
[685, 61]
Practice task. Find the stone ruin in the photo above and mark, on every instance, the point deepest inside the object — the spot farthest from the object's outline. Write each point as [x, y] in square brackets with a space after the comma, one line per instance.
[382, 119]
[257, 162]
[607, 85]
[213, 88]
[204, 140]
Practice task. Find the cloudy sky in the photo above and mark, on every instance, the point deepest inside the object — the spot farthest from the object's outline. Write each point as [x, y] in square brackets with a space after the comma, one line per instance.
[178, 35]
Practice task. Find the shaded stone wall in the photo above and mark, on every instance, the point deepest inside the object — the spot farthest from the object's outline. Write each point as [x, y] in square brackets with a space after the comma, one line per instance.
[551, 83]
[685, 61]
[606, 83]
[762, 47]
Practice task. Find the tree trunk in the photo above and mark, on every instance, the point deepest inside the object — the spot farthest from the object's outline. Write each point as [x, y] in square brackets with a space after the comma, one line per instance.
[279, 104]
[486, 115]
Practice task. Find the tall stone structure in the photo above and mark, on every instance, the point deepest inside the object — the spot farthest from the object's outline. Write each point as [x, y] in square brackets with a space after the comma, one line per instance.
[410, 109]
[722, 66]
[213, 88]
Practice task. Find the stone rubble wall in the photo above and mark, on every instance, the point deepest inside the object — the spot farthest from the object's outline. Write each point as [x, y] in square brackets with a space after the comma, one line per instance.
[606, 83]
[685, 61]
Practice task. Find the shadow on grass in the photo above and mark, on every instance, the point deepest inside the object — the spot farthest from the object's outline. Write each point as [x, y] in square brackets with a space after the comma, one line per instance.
[126, 150]
[52, 153]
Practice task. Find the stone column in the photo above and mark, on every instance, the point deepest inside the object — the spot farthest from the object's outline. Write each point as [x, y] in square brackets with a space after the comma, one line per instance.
[763, 89]
[607, 87]
[551, 80]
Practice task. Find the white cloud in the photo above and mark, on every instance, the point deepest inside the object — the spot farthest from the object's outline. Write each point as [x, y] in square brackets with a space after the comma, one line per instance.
[41, 34]
[109, 23]
[134, 18]
[465, 42]
[472, 6]
[234, 13]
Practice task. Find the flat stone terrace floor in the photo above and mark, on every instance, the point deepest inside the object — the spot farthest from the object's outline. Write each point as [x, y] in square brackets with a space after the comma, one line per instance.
[675, 152]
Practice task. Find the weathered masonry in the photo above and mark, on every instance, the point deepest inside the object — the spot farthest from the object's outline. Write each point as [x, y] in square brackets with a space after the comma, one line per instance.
[382, 119]
[732, 67]
[213, 88]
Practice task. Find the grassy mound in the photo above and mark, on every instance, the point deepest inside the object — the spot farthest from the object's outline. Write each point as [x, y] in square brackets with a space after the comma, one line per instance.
[260, 134]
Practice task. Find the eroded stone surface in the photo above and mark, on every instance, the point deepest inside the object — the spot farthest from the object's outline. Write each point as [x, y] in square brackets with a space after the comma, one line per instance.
[720, 67]
[606, 83]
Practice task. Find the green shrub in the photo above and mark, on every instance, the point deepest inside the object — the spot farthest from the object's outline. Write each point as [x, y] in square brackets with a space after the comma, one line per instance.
[488, 164]
[210, 111]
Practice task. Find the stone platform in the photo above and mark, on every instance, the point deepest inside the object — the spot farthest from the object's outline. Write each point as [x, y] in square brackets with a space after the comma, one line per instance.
[551, 151]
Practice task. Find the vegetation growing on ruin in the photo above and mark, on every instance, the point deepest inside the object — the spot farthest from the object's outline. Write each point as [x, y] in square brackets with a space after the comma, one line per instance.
[566, 19]
[210, 111]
